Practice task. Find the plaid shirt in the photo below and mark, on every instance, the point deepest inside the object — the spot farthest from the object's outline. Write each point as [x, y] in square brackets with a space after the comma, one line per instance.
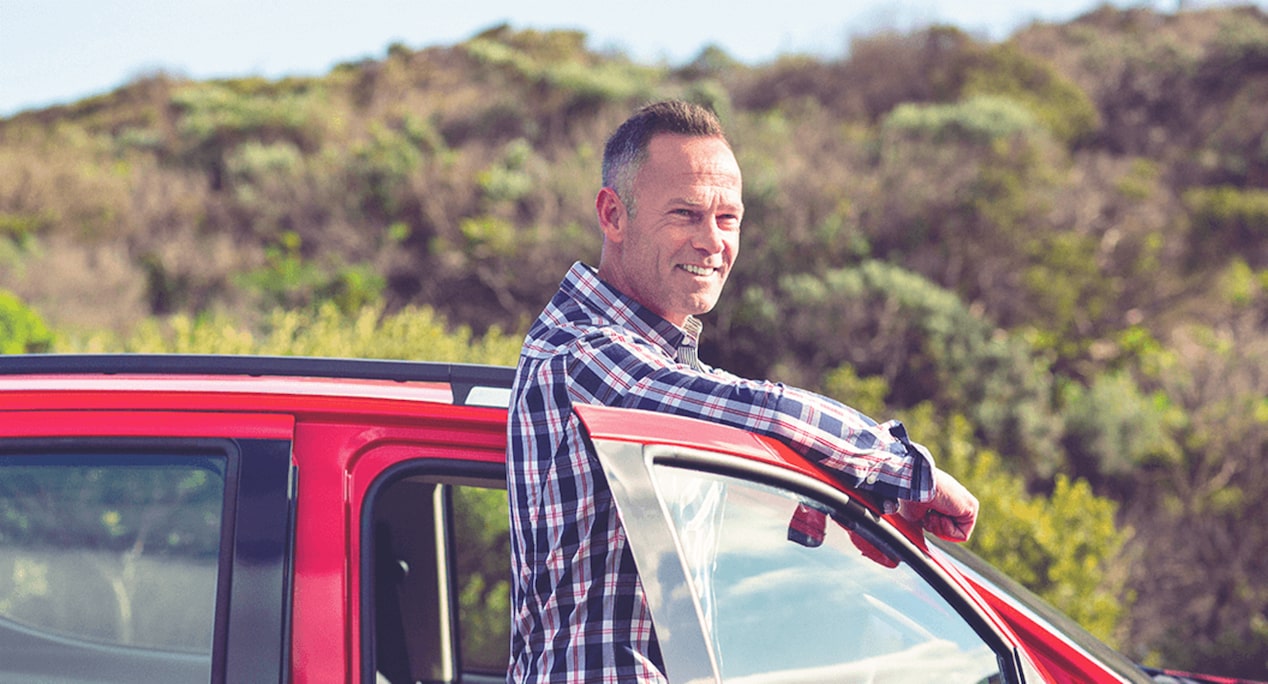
[579, 613]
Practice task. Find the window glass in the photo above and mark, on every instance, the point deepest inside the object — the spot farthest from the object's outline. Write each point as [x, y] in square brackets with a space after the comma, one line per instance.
[122, 552]
[441, 581]
[482, 560]
[789, 594]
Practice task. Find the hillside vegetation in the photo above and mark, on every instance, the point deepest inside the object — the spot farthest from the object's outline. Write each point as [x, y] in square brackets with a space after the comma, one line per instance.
[1048, 255]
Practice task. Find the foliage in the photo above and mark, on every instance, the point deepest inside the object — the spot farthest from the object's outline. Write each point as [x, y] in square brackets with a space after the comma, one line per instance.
[1215, 379]
[383, 164]
[1057, 239]
[1064, 546]
[964, 191]
[22, 331]
[1055, 101]
[369, 332]
[559, 62]
[215, 117]
[981, 119]
[288, 280]
[1114, 430]
[1229, 221]
[484, 528]
[927, 346]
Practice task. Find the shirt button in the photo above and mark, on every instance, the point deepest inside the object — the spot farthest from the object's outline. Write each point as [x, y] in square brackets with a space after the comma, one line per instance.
[872, 478]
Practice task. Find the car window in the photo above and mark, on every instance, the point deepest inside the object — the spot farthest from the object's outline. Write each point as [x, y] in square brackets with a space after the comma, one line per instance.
[482, 567]
[102, 555]
[788, 593]
[440, 579]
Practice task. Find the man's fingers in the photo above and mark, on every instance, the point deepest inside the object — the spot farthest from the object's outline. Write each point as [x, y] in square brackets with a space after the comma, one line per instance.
[951, 514]
[947, 527]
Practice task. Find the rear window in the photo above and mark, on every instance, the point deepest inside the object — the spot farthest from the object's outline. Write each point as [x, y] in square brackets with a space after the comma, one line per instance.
[105, 554]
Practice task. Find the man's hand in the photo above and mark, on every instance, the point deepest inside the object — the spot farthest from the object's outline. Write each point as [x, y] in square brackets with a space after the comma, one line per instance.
[950, 514]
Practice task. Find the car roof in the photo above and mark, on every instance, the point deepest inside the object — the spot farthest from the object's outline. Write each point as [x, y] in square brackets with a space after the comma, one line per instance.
[462, 384]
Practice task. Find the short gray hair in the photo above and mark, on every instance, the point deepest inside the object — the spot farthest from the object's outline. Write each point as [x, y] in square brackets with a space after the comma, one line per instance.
[626, 150]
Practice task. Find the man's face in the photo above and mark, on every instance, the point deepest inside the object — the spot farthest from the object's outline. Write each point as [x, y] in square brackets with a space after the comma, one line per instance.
[675, 253]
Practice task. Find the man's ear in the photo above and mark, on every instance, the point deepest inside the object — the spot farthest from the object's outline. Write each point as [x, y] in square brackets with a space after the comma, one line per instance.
[612, 215]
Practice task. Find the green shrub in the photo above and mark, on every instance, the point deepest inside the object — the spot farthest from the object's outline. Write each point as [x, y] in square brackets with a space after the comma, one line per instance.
[22, 331]
[212, 119]
[289, 280]
[1056, 102]
[1227, 220]
[1066, 288]
[1114, 430]
[380, 166]
[488, 237]
[559, 60]
[507, 180]
[1242, 41]
[980, 120]
[1063, 545]
[927, 345]
[412, 333]
[218, 113]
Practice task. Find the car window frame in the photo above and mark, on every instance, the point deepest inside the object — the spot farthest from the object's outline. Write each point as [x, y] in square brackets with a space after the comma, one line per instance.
[448, 471]
[1034, 608]
[628, 466]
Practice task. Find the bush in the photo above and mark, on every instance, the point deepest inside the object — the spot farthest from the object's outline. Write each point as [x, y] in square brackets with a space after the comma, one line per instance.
[219, 115]
[381, 166]
[1228, 221]
[1063, 545]
[213, 119]
[927, 346]
[980, 119]
[1114, 431]
[369, 332]
[559, 61]
[1055, 101]
[22, 331]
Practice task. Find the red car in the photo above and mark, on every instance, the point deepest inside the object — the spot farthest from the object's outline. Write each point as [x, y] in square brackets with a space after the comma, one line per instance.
[250, 519]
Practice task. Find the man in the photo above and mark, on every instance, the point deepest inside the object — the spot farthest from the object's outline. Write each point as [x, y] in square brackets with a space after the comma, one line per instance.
[626, 335]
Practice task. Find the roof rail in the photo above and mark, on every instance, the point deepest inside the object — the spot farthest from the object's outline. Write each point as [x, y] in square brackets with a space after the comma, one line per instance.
[461, 377]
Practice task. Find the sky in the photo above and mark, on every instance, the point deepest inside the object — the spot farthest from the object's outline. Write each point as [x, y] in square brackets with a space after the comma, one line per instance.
[60, 51]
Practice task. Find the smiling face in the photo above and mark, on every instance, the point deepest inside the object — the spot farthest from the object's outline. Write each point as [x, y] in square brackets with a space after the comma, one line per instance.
[675, 253]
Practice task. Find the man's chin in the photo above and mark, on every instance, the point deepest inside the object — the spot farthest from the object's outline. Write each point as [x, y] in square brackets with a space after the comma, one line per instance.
[702, 306]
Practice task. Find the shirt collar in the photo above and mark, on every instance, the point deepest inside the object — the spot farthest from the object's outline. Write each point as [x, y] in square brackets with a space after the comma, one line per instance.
[583, 284]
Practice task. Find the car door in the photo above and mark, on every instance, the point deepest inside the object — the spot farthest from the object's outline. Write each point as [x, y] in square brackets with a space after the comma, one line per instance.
[143, 545]
[432, 548]
[759, 570]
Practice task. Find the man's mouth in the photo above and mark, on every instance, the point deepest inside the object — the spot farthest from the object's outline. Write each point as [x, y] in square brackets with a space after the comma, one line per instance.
[697, 270]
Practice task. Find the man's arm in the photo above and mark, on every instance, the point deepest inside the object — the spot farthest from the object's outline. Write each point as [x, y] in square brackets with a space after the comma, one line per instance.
[615, 370]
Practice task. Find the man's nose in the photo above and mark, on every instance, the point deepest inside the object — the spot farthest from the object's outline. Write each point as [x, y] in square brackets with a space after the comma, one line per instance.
[708, 235]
